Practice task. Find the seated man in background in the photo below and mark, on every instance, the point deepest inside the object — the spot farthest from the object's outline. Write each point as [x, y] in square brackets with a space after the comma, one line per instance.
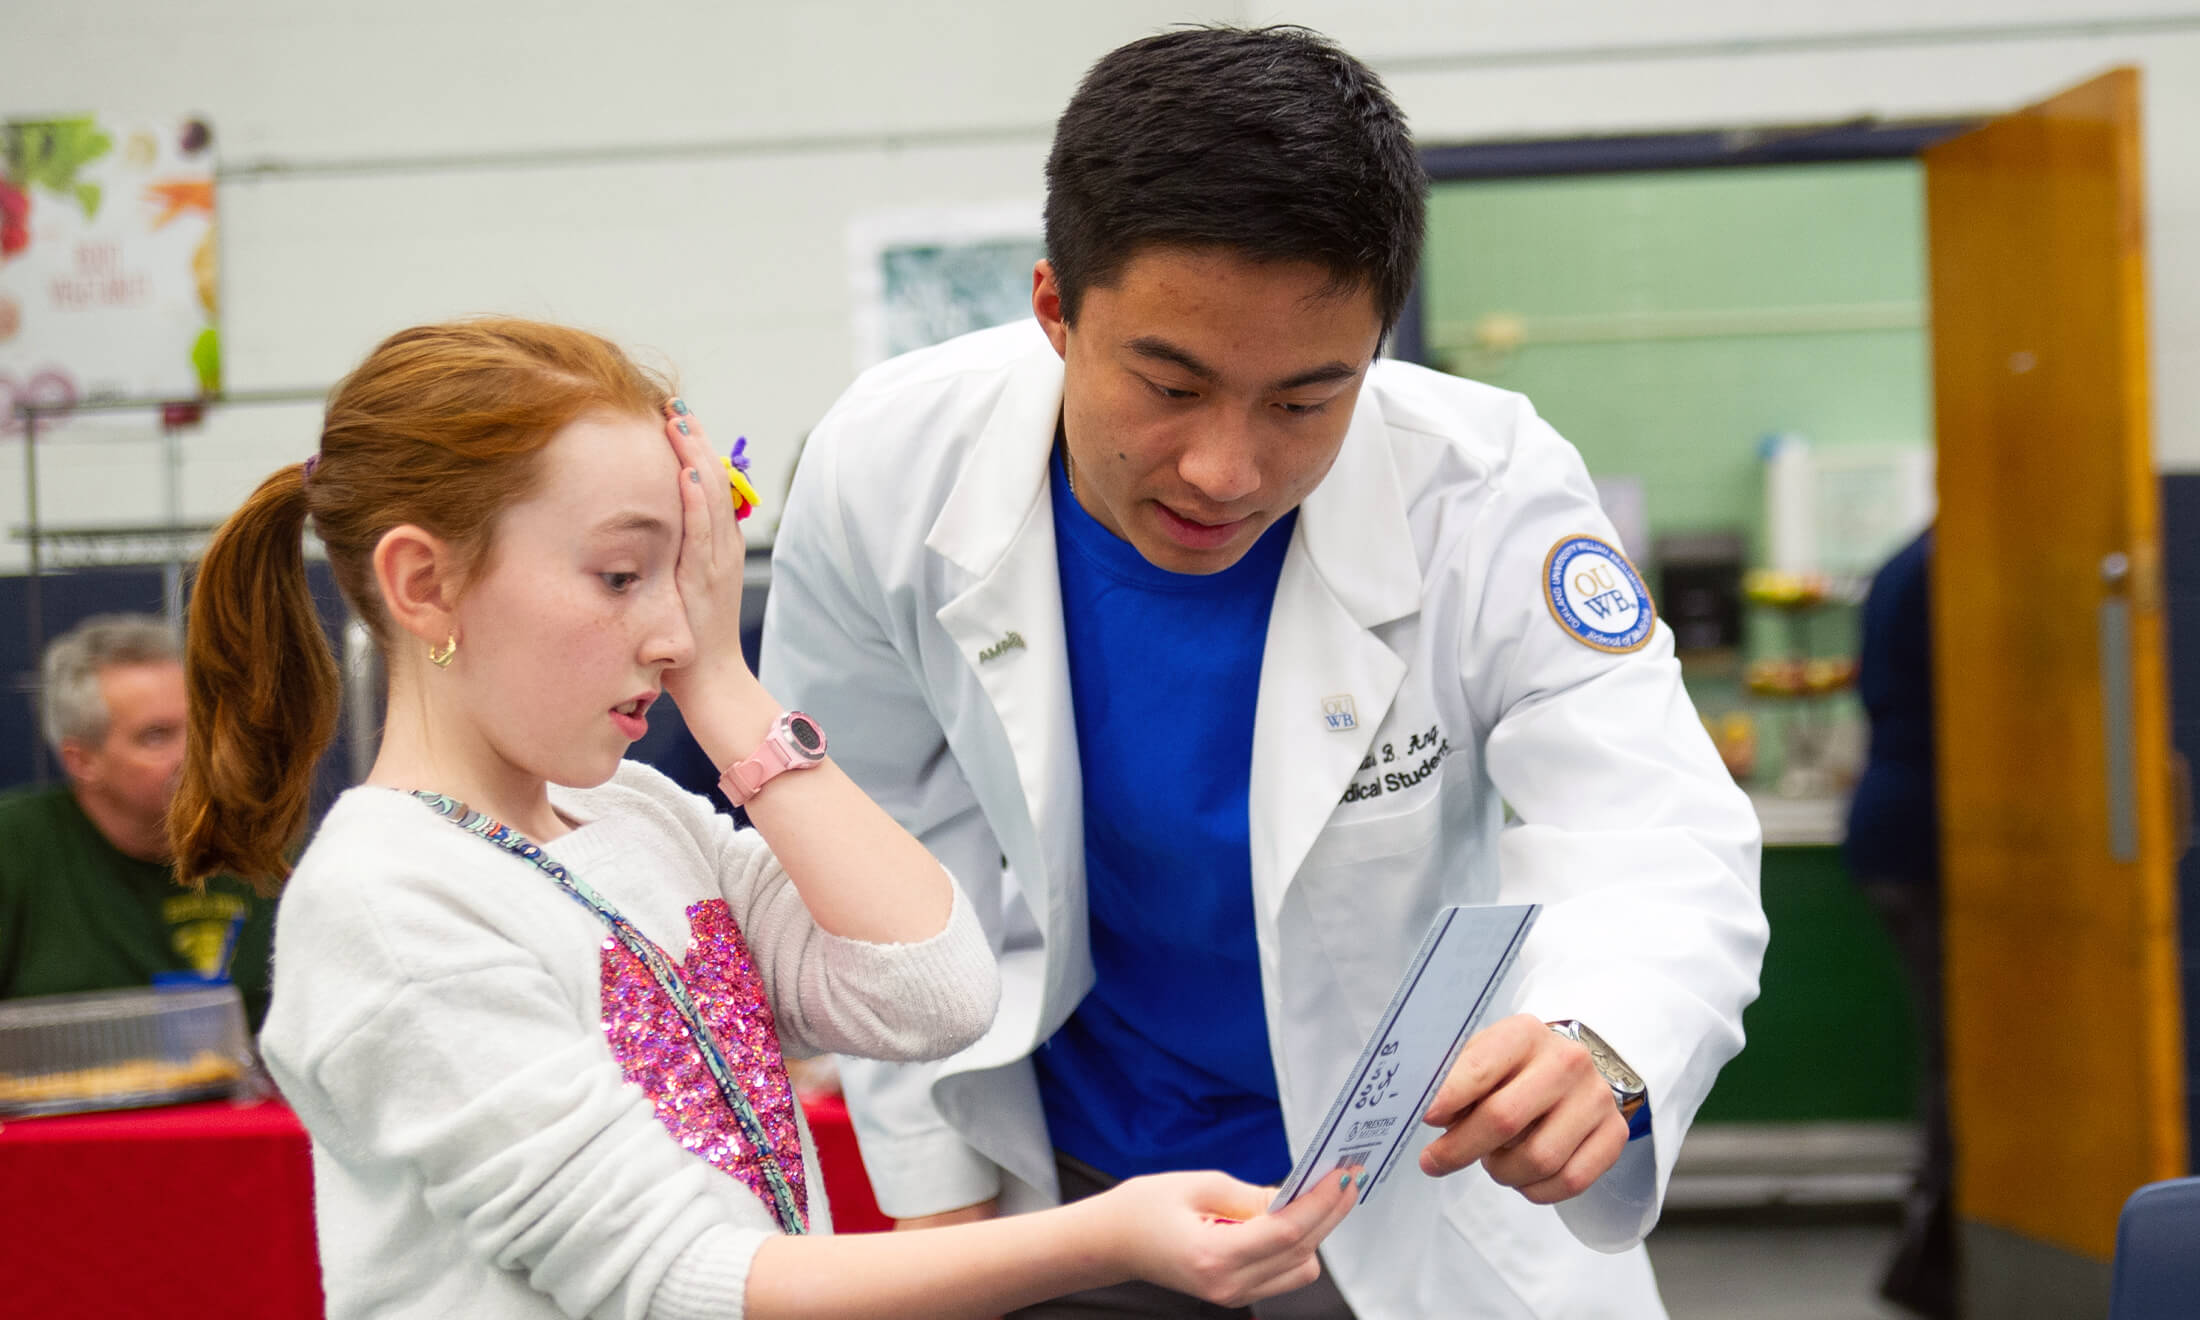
[87, 901]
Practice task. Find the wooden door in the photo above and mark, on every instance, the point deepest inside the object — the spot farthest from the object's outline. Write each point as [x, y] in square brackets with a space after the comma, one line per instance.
[2066, 1045]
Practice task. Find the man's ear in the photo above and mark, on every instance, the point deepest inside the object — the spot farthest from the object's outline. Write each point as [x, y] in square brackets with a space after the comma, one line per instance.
[78, 761]
[1046, 304]
[417, 573]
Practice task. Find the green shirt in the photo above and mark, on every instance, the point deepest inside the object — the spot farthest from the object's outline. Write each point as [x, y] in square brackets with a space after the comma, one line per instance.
[76, 913]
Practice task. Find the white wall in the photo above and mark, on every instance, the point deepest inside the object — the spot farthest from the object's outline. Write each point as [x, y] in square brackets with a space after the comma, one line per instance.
[681, 175]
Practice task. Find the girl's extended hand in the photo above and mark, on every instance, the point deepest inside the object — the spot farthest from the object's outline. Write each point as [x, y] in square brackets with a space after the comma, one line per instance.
[712, 554]
[1174, 1229]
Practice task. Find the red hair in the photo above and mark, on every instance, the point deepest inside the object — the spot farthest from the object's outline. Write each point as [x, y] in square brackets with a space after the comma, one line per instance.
[441, 427]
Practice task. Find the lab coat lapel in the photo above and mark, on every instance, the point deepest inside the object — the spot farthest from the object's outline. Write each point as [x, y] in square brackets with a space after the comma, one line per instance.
[998, 525]
[1326, 678]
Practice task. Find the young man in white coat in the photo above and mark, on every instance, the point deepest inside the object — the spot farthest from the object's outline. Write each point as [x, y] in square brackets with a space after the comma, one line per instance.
[1209, 652]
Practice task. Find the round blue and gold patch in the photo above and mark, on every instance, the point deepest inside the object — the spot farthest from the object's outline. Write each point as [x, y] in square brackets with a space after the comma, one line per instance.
[1597, 596]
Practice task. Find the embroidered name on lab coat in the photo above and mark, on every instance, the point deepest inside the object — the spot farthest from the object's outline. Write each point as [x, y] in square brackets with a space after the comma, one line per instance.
[1399, 765]
[1013, 642]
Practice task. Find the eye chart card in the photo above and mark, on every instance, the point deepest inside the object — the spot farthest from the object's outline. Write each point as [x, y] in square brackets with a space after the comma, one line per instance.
[1441, 1000]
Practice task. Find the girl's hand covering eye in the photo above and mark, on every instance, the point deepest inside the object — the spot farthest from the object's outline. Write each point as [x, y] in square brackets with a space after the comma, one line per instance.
[712, 555]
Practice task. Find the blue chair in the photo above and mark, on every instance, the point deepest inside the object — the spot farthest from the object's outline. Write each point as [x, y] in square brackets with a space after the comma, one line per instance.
[2158, 1253]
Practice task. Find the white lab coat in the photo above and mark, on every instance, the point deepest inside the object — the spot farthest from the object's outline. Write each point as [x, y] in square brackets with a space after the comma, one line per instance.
[915, 611]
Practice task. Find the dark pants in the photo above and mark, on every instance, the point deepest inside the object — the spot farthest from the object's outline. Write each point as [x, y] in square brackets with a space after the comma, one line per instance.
[1922, 1274]
[1318, 1300]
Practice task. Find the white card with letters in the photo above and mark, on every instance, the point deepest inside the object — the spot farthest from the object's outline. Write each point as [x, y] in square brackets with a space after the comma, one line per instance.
[1441, 1000]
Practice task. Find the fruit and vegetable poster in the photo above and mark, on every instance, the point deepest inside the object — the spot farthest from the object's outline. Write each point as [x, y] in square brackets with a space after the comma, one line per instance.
[108, 262]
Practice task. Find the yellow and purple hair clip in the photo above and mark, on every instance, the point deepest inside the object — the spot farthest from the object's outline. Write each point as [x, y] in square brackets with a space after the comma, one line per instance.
[745, 498]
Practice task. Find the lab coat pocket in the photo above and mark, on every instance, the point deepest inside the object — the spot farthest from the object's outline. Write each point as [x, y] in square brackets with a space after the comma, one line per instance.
[1494, 1223]
[1371, 889]
[1545, 1268]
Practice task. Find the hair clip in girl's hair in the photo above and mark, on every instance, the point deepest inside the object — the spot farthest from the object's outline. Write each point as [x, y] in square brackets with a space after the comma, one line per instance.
[745, 498]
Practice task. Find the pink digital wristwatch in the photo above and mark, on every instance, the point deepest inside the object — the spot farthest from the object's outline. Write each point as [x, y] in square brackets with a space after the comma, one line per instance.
[794, 743]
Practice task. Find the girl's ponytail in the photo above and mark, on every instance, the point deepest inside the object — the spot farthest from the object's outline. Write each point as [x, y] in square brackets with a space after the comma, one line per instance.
[264, 694]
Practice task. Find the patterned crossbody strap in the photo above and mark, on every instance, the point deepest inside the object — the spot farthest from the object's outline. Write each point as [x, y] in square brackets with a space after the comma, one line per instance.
[668, 979]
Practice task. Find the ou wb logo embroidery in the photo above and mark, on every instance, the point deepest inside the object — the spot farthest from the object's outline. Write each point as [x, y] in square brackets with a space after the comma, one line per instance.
[1597, 596]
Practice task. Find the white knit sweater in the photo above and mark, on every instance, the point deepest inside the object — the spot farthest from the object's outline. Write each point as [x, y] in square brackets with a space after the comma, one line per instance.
[438, 1024]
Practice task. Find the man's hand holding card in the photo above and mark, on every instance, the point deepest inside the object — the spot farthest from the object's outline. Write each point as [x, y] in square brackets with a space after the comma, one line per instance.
[1532, 1107]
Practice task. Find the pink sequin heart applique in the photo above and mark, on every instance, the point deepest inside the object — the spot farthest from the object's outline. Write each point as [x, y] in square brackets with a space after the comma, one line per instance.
[653, 1047]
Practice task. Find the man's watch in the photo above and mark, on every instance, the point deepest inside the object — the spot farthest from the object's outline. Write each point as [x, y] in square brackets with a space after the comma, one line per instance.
[794, 743]
[1627, 1086]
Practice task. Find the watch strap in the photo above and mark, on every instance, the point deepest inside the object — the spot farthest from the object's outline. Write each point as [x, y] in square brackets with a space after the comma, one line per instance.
[778, 753]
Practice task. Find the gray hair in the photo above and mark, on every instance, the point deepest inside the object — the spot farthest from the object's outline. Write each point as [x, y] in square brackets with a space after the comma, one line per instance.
[69, 703]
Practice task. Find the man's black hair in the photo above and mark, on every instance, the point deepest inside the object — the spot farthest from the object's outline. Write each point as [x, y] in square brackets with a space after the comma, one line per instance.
[1271, 143]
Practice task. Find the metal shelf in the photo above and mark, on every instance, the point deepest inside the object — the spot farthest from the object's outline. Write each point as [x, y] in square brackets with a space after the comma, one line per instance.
[170, 543]
[69, 548]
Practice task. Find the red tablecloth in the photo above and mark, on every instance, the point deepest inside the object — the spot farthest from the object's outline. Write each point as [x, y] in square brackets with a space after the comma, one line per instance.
[176, 1213]
[207, 1210]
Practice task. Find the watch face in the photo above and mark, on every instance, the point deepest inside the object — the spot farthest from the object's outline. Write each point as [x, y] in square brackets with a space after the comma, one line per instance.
[807, 735]
[1615, 1071]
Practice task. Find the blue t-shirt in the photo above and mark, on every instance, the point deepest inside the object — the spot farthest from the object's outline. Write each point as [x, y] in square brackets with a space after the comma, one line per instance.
[1165, 1064]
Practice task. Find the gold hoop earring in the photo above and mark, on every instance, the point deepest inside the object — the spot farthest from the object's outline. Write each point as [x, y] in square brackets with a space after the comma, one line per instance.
[440, 656]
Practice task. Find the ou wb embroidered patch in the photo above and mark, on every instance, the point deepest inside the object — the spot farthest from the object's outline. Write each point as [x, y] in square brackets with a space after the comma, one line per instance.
[1596, 595]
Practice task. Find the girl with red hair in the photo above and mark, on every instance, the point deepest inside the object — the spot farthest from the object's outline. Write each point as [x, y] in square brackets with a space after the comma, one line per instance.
[531, 1000]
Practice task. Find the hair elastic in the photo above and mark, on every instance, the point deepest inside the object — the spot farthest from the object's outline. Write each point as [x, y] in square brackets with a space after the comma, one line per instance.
[745, 498]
